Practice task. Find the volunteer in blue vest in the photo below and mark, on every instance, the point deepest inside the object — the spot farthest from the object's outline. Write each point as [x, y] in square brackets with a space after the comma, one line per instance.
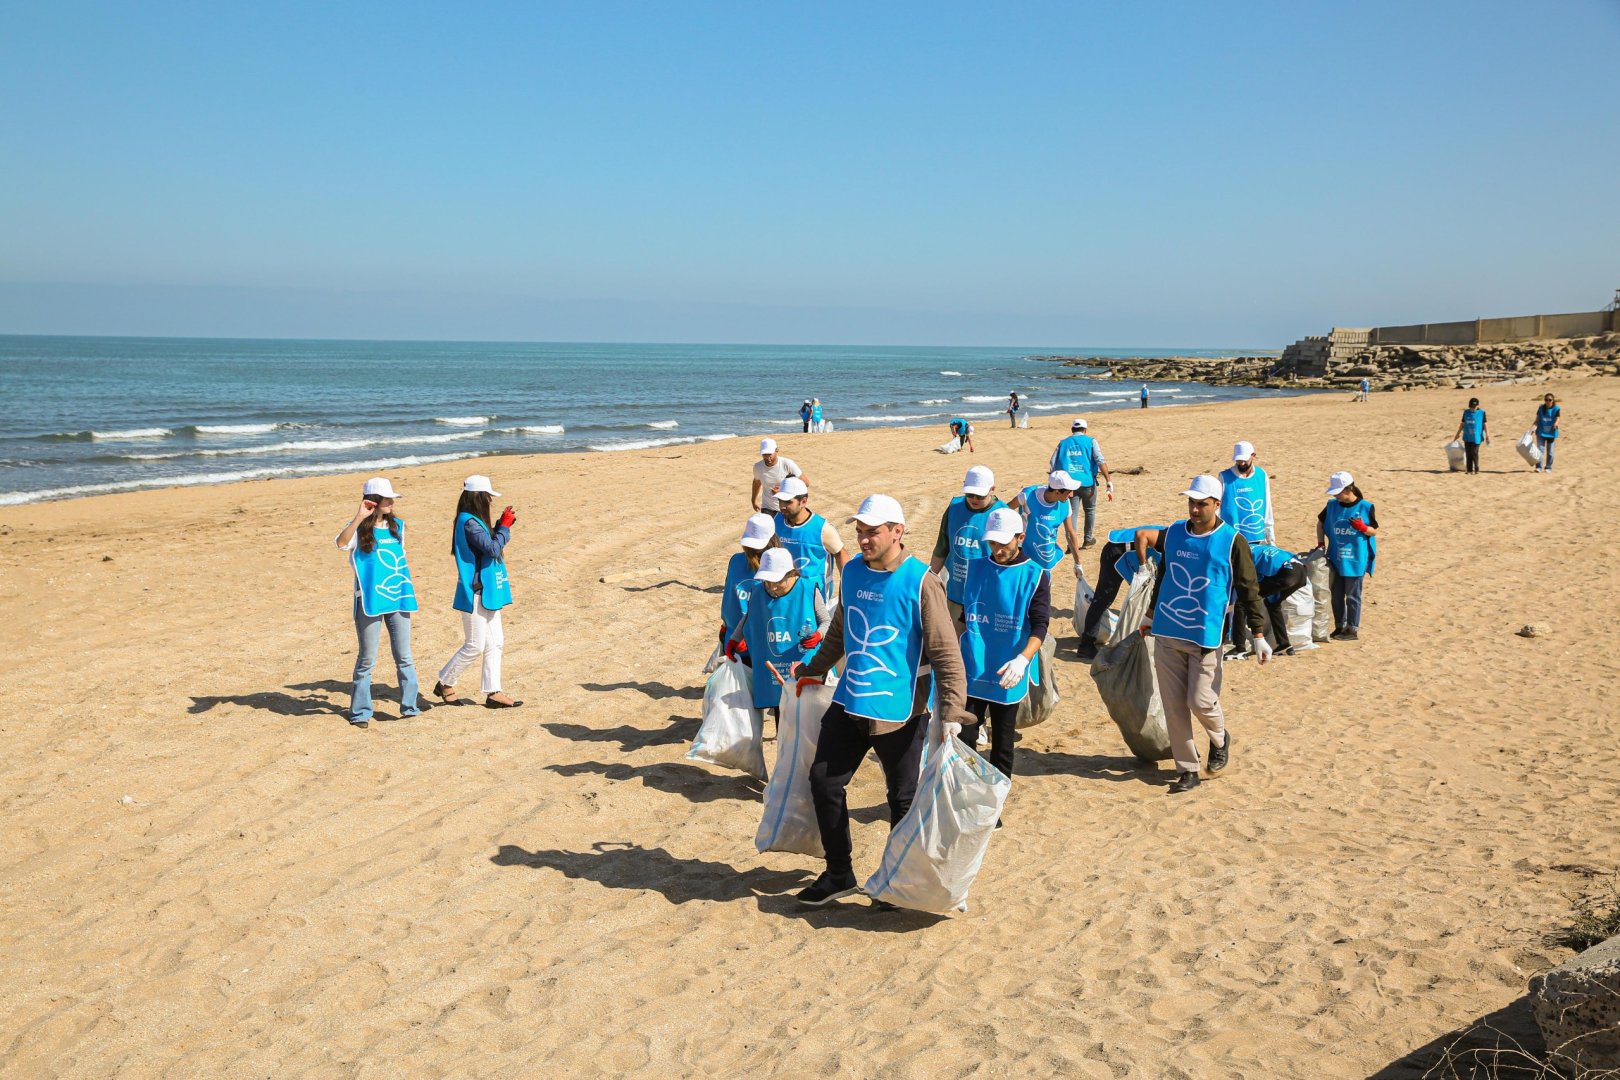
[804, 414]
[1364, 389]
[964, 434]
[895, 638]
[811, 539]
[1045, 510]
[816, 419]
[759, 533]
[483, 588]
[1246, 497]
[1013, 406]
[1206, 563]
[1009, 601]
[961, 530]
[383, 595]
[1281, 574]
[1472, 430]
[1119, 565]
[786, 618]
[1081, 457]
[1144, 395]
[1547, 430]
[1348, 528]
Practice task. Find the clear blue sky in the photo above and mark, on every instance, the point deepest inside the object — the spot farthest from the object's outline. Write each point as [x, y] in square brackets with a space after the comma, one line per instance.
[1213, 174]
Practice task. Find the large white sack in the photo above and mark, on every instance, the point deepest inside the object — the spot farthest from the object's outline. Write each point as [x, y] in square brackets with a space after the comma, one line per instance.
[1123, 672]
[1084, 594]
[1528, 448]
[1041, 701]
[1023, 421]
[732, 734]
[789, 820]
[935, 851]
[1455, 456]
[949, 447]
[1298, 610]
[1321, 579]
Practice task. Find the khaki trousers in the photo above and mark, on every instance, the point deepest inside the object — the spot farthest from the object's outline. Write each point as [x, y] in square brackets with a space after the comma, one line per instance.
[1189, 685]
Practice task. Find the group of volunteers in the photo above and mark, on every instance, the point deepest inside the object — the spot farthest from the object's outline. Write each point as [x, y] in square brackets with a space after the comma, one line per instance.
[385, 596]
[1473, 431]
[960, 636]
[810, 414]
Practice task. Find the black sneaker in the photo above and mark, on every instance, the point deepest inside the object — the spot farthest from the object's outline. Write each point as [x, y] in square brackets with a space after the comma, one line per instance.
[1348, 635]
[1219, 754]
[1184, 781]
[360, 723]
[1338, 633]
[1088, 649]
[827, 888]
[1292, 650]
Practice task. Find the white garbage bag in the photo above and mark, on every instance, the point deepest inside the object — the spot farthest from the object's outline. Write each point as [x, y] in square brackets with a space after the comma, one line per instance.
[1528, 448]
[1298, 610]
[1084, 594]
[1123, 672]
[733, 731]
[950, 447]
[1023, 421]
[789, 820]
[1321, 579]
[1041, 701]
[935, 851]
[714, 659]
[1455, 457]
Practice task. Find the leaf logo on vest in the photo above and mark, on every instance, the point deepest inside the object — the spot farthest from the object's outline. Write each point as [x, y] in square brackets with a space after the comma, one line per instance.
[779, 636]
[397, 584]
[1185, 609]
[866, 637]
[1251, 514]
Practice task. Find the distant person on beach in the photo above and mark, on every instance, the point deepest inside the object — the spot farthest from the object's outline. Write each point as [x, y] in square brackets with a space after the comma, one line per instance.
[1144, 395]
[901, 644]
[1348, 528]
[1206, 564]
[1281, 574]
[1119, 566]
[769, 472]
[1547, 430]
[1045, 510]
[1472, 430]
[483, 588]
[963, 432]
[1012, 409]
[811, 539]
[804, 414]
[759, 533]
[1009, 602]
[1246, 497]
[817, 423]
[787, 614]
[383, 595]
[1365, 390]
[1081, 457]
[961, 532]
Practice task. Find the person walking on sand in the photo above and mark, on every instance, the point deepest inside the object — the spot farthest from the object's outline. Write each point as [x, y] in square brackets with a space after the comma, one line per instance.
[787, 614]
[1472, 430]
[961, 532]
[898, 644]
[1118, 567]
[769, 472]
[1081, 457]
[1004, 621]
[1012, 409]
[1144, 395]
[1364, 390]
[759, 533]
[1045, 510]
[383, 595]
[1206, 562]
[811, 539]
[804, 414]
[1246, 497]
[483, 588]
[1348, 528]
[1547, 430]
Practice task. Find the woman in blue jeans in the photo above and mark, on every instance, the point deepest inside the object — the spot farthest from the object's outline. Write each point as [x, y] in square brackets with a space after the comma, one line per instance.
[383, 595]
[1547, 431]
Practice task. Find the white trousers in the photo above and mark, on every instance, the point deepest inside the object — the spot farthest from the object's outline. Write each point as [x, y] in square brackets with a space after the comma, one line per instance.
[482, 628]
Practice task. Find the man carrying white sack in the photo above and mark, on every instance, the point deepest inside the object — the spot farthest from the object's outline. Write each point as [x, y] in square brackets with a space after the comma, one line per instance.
[1246, 497]
[1205, 563]
[892, 626]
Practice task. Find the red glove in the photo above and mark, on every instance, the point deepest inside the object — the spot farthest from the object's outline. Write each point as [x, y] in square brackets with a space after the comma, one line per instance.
[804, 681]
[507, 517]
[811, 641]
[1359, 525]
[742, 646]
[731, 649]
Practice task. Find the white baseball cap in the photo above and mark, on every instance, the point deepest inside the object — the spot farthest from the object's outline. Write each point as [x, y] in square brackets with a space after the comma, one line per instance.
[1078, 425]
[758, 530]
[1338, 482]
[978, 481]
[1243, 451]
[1204, 486]
[1062, 481]
[878, 510]
[379, 486]
[791, 488]
[767, 446]
[1003, 524]
[477, 482]
[774, 565]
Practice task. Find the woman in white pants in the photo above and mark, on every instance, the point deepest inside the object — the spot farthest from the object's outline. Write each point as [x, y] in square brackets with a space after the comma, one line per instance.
[482, 590]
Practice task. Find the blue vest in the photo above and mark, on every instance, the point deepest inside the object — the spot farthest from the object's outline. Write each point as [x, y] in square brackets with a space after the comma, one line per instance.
[772, 627]
[882, 639]
[739, 586]
[1043, 526]
[382, 576]
[1075, 456]
[1127, 564]
[1144, 393]
[1473, 425]
[1350, 553]
[1269, 559]
[1547, 421]
[1243, 503]
[815, 414]
[1197, 585]
[804, 544]
[996, 614]
[495, 587]
[964, 539]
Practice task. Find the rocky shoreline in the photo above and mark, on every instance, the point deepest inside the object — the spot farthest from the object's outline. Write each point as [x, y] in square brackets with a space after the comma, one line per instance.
[1386, 367]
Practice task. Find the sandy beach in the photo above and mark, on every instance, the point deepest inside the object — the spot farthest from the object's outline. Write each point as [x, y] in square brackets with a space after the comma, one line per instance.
[556, 890]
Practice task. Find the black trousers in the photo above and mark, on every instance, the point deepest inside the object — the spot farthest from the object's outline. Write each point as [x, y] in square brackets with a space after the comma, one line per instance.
[1276, 588]
[1003, 731]
[1108, 583]
[1470, 457]
[844, 742]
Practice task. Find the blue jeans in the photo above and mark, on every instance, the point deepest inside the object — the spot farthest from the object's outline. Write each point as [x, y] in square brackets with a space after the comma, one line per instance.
[1546, 445]
[368, 628]
[1084, 504]
[1346, 595]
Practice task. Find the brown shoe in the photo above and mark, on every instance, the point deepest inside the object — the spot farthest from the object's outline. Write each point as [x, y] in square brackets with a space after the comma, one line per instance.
[444, 693]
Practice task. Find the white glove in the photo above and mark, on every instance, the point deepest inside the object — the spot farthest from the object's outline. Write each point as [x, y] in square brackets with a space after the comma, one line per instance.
[952, 730]
[1012, 672]
[1262, 649]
